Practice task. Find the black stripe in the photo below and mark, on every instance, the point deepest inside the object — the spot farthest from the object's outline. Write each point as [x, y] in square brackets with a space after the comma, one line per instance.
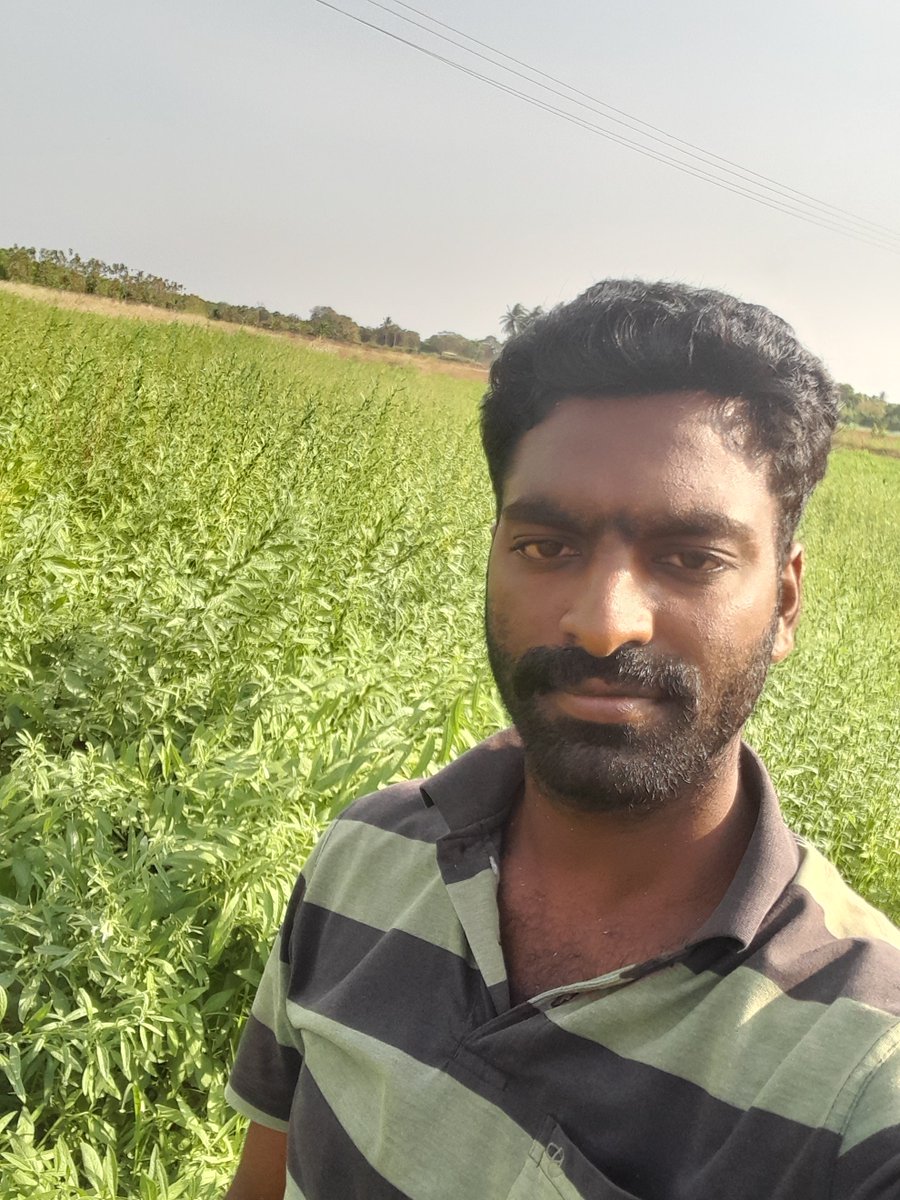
[400, 809]
[289, 918]
[649, 1132]
[868, 972]
[795, 950]
[644, 1127]
[264, 1072]
[467, 852]
[489, 774]
[871, 1169]
[323, 1159]
[390, 985]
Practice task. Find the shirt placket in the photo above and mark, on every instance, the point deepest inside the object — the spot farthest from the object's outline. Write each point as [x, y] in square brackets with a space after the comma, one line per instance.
[468, 863]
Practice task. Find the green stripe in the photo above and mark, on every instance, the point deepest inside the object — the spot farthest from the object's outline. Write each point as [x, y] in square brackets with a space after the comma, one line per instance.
[875, 1092]
[239, 1104]
[449, 1132]
[740, 1038]
[475, 901]
[268, 1003]
[402, 886]
[845, 914]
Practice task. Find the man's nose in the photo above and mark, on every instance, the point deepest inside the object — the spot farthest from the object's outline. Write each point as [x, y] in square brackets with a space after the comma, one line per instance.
[610, 610]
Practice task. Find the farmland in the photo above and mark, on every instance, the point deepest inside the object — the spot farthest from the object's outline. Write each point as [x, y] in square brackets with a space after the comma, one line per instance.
[242, 584]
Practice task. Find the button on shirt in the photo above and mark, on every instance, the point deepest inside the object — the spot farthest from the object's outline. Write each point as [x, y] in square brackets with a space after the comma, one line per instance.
[761, 1060]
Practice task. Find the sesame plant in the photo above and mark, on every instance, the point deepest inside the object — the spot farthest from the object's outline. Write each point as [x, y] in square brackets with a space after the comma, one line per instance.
[241, 583]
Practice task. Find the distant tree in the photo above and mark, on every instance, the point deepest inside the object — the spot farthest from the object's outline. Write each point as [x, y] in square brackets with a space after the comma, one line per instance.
[325, 322]
[392, 336]
[387, 333]
[511, 321]
[448, 342]
[870, 412]
[409, 340]
[872, 407]
[518, 318]
[489, 348]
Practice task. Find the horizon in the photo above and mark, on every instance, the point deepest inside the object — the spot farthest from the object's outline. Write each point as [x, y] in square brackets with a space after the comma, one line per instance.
[304, 160]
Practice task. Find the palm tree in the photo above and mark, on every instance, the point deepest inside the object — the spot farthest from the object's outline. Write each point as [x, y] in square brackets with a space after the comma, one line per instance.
[518, 318]
[513, 320]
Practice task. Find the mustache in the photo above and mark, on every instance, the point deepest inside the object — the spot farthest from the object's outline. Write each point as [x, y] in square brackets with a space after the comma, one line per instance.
[554, 668]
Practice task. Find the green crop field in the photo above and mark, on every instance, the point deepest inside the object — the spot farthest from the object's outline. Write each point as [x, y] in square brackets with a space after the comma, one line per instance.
[241, 583]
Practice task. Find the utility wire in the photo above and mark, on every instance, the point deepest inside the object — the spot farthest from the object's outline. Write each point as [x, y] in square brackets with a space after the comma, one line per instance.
[746, 176]
[777, 204]
[626, 118]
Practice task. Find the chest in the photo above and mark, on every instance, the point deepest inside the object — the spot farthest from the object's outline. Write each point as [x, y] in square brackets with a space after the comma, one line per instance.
[552, 942]
[674, 1052]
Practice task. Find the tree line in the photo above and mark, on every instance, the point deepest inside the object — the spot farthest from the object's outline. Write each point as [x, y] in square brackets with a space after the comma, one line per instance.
[868, 412]
[70, 272]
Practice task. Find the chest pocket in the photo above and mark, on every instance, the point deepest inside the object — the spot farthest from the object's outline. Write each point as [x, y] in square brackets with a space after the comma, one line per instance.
[557, 1170]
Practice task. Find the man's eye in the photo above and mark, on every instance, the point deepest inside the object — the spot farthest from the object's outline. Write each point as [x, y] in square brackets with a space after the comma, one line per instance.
[544, 550]
[699, 561]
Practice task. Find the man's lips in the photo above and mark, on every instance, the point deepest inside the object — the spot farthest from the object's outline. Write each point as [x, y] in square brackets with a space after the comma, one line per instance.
[596, 700]
[599, 687]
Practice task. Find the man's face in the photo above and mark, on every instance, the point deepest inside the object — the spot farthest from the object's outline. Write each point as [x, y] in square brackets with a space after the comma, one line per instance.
[635, 597]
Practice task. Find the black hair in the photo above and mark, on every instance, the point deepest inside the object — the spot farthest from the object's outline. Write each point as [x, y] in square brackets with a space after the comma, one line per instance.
[627, 337]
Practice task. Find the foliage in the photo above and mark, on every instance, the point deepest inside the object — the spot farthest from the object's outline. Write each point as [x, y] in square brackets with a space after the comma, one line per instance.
[827, 723]
[241, 584]
[68, 271]
[231, 599]
[870, 412]
[389, 334]
[517, 319]
[325, 322]
[453, 345]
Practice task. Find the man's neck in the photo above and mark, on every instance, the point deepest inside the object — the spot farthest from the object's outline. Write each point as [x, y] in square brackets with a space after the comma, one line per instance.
[684, 853]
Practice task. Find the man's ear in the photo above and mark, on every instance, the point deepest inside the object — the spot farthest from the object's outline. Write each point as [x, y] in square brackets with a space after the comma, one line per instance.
[789, 608]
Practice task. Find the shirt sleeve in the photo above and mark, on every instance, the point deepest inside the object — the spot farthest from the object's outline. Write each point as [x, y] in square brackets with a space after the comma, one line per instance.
[270, 1053]
[868, 1167]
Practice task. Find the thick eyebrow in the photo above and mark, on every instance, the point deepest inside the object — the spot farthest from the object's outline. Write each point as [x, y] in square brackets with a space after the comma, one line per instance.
[694, 522]
[539, 510]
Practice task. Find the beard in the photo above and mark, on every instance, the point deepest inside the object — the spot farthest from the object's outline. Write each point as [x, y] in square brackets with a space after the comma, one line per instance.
[629, 767]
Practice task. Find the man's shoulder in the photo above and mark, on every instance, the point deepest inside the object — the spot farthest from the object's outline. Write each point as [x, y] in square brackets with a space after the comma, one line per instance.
[475, 786]
[400, 808]
[824, 943]
[845, 914]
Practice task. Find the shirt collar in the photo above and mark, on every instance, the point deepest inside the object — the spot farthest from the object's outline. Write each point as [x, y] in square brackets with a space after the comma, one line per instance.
[769, 864]
[480, 785]
[477, 789]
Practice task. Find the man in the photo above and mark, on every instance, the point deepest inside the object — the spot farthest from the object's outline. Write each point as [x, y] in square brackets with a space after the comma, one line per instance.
[588, 959]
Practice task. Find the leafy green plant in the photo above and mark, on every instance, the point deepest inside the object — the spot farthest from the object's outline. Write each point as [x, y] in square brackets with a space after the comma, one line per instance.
[241, 583]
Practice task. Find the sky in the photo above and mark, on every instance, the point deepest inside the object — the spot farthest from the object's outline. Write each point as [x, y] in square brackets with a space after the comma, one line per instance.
[277, 152]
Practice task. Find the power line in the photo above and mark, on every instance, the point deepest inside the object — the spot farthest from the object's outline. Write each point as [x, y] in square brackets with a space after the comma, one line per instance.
[776, 203]
[625, 118]
[747, 178]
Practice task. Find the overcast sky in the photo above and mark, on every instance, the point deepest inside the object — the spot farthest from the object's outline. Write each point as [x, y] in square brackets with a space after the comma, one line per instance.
[276, 152]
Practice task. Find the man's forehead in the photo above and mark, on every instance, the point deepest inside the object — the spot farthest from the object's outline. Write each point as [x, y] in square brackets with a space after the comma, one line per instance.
[687, 432]
[640, 459]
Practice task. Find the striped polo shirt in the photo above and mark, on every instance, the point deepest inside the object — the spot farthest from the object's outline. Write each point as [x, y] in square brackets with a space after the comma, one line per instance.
[759, 1062]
